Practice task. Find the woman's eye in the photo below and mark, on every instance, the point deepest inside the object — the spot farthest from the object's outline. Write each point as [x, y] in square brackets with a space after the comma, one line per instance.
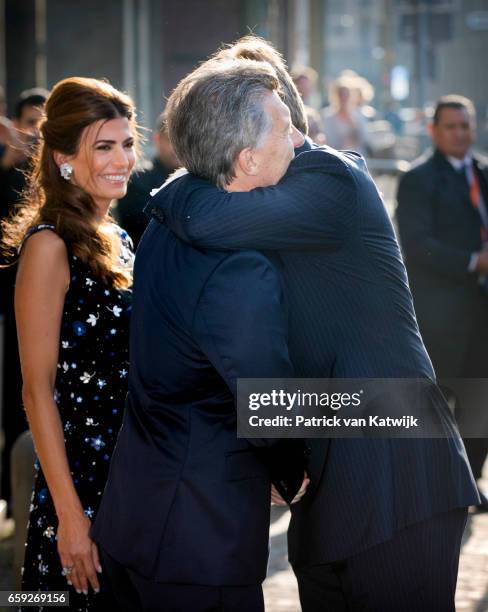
[103, 148]
[129, 145]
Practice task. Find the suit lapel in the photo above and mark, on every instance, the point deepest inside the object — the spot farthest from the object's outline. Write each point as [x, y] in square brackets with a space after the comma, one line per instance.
[450, 179]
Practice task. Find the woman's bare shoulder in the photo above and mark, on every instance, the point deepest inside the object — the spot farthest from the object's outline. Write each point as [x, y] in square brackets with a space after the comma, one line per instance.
[44, 243]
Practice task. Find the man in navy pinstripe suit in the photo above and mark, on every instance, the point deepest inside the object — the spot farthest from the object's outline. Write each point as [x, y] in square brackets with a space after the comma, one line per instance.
[184, 521]
[381, 526]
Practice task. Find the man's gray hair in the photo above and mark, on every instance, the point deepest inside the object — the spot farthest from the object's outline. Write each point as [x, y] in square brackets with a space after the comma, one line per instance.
[256, 48]
[217, 111]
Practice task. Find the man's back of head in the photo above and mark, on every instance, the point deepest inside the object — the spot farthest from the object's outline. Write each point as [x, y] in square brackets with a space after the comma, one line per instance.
[256, 48]
[229, 126]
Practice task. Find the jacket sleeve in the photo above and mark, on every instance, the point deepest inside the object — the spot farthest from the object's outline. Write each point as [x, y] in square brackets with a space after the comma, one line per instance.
[240, 321]
[415, 216]
[241, 326]
[310, 208]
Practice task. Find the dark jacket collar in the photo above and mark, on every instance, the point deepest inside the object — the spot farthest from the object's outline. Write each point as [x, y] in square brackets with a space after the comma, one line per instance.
[478, 160]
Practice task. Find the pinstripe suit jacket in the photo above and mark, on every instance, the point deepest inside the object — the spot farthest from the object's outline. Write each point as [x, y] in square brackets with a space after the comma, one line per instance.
[350, 315]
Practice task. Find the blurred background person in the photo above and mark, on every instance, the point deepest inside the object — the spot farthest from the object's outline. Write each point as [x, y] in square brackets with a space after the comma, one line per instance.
[151, 174]
[5, 124]
[443, 223]
[364, 94]
[315, 129]
[3, 102]
[21, 136]
[18, 149]
[72, 305]
[344, 124]
[306, 79]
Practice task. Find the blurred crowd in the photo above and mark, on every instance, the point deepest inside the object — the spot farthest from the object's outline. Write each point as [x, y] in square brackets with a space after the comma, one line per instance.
[351, 119]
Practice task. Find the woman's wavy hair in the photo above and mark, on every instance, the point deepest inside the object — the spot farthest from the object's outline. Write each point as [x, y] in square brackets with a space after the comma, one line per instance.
[74, 104]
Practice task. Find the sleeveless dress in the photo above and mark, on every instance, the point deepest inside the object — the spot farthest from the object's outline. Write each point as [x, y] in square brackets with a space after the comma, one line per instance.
[90, 390]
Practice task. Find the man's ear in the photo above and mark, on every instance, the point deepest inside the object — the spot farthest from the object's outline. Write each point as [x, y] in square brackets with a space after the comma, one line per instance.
[247, 162]
[430, 128]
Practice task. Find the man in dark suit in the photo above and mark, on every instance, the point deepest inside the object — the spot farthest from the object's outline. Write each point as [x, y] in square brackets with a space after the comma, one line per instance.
[381, 527]
[151, 174]
[183, 523]
[443, 223]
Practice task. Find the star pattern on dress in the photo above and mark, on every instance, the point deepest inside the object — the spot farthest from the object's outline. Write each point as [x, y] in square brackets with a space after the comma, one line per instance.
[96, 443]
[89, 512]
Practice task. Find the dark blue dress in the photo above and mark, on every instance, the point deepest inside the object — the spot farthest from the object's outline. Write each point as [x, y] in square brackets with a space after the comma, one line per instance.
[90, 390]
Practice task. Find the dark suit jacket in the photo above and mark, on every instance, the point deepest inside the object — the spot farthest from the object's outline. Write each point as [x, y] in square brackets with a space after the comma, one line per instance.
[439, 230]
[187, 501]
[350, 315]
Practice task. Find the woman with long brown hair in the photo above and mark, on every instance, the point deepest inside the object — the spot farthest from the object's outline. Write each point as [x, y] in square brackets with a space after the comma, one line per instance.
[72, 303]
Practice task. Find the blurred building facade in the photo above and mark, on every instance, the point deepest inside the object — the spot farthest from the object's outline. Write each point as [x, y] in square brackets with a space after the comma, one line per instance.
[435, 46]
[146, 46]
[141, 46]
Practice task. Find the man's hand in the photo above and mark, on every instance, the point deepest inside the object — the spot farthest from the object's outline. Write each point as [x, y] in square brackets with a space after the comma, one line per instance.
[277, 500]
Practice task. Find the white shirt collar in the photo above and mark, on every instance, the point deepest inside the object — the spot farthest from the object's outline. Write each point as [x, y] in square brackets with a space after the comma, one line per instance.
[457, 164]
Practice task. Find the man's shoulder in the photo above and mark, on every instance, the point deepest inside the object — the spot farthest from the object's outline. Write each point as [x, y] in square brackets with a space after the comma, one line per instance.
[327, 159]
[161, 254]
[209, 261]
[481, 161]
[424, 167]
[180, 179]
[427, 159]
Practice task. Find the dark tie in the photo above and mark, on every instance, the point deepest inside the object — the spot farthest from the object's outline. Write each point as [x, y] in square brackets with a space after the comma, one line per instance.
[463, 172]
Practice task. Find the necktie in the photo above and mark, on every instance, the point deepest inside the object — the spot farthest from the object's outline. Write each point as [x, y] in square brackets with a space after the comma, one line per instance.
[474, 188]
[473, 183]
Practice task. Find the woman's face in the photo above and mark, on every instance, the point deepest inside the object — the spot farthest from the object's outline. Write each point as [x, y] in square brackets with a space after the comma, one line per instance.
[104, 162]
[344, 95]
